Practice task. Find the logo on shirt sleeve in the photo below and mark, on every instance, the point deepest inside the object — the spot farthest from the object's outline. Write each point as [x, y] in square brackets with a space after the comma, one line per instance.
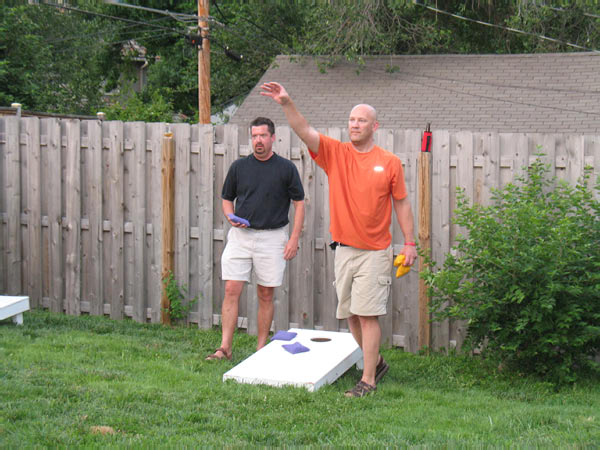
[378, 169]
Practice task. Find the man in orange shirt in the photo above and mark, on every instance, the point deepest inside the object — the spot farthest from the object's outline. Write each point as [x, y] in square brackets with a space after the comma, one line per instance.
[362, 177]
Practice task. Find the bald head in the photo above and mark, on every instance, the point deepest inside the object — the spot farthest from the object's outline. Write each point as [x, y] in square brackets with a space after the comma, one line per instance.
[361, 126]
[368, 109]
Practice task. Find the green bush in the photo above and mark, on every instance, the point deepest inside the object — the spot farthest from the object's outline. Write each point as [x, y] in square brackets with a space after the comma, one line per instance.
[526, 277]
[176, 294]
[135, 108]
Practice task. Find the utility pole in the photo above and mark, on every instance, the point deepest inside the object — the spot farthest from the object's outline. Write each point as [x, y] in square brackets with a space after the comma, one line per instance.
[203, 64]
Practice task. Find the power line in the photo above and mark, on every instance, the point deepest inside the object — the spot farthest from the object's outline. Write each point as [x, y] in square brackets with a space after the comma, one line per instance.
[496, 85]
[176, 16]
[140, 38]
[595, 16]
[514, 30]
[124, 30]
[266, 32]
[107, 16]
[489, 97]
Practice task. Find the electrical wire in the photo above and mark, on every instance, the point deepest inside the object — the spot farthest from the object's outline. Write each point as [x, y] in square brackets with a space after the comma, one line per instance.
[595, 16]
[266, 32]
[514, 30]
[488, 97]
[100, 33]
[496, 85]
[138, 38]
[176, 16]
[226, 49]
[107, 16]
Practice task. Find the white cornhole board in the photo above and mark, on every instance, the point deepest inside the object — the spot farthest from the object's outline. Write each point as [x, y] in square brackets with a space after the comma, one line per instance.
[13, 307]
[324, 363]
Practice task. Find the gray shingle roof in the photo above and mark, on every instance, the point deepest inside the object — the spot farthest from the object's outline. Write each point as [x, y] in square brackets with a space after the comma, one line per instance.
[543, 93]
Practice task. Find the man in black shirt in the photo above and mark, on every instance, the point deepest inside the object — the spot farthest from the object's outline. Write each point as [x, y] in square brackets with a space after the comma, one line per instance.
[262, 185]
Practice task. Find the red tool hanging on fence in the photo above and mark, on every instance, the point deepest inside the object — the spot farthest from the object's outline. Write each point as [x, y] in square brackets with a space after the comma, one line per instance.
[426, 141]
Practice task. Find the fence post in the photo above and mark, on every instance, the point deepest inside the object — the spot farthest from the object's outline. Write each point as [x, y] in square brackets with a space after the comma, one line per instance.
[168, 218]
[424, 331]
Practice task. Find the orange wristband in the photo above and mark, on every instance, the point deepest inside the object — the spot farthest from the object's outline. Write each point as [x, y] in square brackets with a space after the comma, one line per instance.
[410, 243]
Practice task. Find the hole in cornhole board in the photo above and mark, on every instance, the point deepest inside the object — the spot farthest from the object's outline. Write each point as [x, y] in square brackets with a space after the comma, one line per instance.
[330, 355]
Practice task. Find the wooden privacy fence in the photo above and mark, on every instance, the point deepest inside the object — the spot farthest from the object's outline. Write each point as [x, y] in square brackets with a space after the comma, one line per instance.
[80, 224]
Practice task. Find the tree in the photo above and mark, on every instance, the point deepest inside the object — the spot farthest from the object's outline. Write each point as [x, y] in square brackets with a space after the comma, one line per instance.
[67, 60]
[52, 60]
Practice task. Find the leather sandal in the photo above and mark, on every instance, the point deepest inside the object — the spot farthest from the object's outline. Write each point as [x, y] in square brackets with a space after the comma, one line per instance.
[215, 356]
[381, 369]
[360, 390]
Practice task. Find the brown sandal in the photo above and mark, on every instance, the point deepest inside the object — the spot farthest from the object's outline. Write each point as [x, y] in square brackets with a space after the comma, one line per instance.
[216, 357]
[361, 389]
[381, 369]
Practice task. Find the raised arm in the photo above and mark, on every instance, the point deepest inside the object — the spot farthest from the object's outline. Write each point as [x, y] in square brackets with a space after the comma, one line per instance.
[308, 134]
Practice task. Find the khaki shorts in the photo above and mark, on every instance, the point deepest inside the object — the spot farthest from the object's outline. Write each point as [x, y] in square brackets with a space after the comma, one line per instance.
[362, 281]
[259, 249]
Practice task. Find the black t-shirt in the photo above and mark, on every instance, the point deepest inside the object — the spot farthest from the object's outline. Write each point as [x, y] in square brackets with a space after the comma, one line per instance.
[263, 190]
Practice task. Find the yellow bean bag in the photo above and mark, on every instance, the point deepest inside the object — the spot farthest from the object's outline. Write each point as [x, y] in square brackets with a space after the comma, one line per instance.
[402, 270]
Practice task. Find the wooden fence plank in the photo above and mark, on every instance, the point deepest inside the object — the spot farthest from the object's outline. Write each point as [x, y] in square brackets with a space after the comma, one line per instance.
[575, 148]
[546, 146]
[73, 219]
[12, 189]
[281, 296]
[520, 144]
[464, 142]
[182, 135]
[53, 188]
[116, 216]
[3, 212]
[408, 284]
[206, 199]
[138, 174]
[95, 292]
[218, 226]
[491, 166]
[303, 282]
[592, 144]
[440, 219]
[400, 286]
[155, 284]
[34, 211]
[464, 167]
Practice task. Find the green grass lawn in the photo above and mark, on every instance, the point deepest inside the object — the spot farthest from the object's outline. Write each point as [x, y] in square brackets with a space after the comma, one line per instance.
[61, 377]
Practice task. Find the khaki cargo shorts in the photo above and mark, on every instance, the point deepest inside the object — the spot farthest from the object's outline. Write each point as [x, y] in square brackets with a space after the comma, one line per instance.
[362, 281]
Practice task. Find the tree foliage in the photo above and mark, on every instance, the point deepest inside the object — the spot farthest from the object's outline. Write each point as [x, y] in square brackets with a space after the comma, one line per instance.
[526, 276]
[52, 61]
[70, 59]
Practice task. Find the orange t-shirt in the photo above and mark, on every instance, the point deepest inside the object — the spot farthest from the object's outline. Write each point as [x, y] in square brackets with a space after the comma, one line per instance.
[360, 185]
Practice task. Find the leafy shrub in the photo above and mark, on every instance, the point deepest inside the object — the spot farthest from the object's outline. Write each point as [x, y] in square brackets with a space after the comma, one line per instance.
[176, 293]
[156, 109]
[526, 278]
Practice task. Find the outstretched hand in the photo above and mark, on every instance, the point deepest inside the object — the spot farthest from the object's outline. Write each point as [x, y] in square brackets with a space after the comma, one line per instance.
[276, 91]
